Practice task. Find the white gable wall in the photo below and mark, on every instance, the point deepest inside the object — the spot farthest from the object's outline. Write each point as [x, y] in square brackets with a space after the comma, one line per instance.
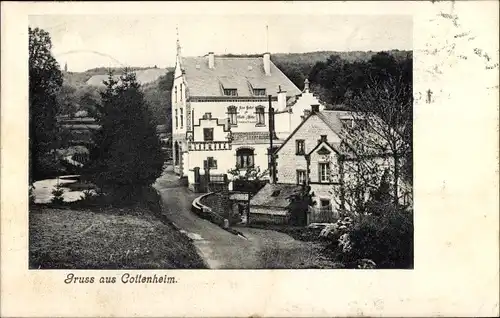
[288, 161]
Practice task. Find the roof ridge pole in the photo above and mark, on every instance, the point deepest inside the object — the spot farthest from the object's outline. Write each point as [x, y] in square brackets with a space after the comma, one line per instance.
[178, 42]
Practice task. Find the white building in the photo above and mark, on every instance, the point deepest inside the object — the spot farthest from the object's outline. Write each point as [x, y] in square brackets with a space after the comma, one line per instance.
[220, 112]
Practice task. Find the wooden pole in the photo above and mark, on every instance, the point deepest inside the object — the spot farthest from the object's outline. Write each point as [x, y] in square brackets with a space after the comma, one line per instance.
[271, 136]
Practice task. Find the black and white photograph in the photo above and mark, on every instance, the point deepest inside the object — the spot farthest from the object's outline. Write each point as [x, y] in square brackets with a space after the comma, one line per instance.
[286, 144]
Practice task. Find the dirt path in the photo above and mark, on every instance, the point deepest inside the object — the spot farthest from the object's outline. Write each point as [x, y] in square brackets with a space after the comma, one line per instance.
[221, 249]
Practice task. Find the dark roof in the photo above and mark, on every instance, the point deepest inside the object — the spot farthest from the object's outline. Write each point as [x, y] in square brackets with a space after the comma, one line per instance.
[241, 73]
[282, 192]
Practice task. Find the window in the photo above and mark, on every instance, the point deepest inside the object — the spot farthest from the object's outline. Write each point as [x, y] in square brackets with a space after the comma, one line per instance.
[210, 163]
[325, 205]
[324, 172]
[275, 193]
[208, 134]
[300, 147]
[259, 91]
[244, 158]
[175, 93]
[260, 115]
[182, 117]
[301, 176]
[180, 91]
[347, 122]
[230, 92]
[176, 120]
[232, 114]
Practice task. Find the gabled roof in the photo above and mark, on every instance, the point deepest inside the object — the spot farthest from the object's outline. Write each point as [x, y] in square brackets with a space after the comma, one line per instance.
[331, 147]
[281, 193]
[333, 118]
[241, 73]
[330, 117]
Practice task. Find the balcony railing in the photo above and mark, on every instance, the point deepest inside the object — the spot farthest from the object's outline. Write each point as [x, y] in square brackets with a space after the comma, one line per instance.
[209, 145]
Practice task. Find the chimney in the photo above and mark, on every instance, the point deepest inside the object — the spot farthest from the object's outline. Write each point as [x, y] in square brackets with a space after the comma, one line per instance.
[267, 63]
[211, 60]
[306, 86]
[315, 108]
[281, 99]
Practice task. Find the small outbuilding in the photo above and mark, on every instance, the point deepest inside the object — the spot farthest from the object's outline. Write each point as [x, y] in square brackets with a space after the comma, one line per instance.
[271, 203]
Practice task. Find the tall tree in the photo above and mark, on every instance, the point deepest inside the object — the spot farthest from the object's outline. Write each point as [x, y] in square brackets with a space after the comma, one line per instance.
[127, 153]
[45, 79]
[382, 126]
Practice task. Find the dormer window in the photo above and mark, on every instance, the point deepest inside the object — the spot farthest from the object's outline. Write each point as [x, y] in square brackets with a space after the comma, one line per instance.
[348, 122]
[259, 91]
[230, 92]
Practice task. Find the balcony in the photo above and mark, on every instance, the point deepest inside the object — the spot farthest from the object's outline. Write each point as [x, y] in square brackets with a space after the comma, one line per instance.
[209, 145]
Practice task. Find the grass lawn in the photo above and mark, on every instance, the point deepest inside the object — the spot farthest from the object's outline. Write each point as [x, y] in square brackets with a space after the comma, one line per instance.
[309, 256]
[127, 238]
[312, 252]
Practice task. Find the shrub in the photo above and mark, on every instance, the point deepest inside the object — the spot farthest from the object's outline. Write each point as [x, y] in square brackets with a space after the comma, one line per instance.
[31, 194]
[58, 195]
[385, 239]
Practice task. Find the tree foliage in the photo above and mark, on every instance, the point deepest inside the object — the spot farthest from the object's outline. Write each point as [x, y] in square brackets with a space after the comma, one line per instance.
[158, 96]
[45, 80]
[299, 205]
[127, 153]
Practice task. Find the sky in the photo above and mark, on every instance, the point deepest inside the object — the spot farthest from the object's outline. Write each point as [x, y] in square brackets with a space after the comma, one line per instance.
[88, 41]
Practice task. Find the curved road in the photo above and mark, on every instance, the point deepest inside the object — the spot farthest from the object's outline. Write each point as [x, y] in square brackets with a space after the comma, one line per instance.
[220, 248]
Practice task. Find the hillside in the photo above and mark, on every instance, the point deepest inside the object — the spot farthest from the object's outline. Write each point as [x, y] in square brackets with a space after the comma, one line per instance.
[81, 89]
[144, 76]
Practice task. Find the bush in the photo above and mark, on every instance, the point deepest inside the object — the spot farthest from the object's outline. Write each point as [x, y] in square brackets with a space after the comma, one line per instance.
[58, 195]
[385, 239]
[31, 195]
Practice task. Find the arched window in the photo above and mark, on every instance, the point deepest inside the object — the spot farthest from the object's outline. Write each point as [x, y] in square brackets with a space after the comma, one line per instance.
[244, 158]
[232, 114]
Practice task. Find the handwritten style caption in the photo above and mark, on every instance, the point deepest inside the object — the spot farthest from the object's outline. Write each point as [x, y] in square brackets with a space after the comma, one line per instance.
[126, 278]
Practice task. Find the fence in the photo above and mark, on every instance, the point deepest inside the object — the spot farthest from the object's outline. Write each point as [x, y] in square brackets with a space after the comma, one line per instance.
[217, 182]
[208, 182]
[321, 215]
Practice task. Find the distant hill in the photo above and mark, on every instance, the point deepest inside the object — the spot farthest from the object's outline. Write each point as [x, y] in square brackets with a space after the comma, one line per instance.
[313, 57]
[144, 76]
[157, 82]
